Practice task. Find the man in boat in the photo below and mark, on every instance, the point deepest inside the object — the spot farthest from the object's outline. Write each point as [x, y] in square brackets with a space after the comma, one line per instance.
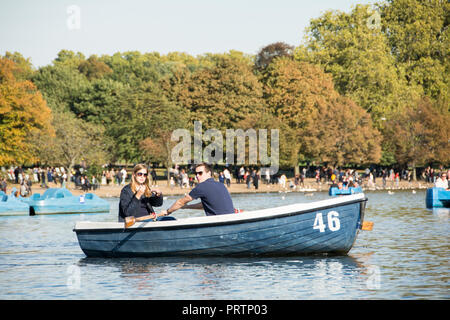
[214, 196]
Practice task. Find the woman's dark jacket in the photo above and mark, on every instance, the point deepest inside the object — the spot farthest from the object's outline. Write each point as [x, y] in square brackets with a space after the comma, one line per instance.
[129, 205]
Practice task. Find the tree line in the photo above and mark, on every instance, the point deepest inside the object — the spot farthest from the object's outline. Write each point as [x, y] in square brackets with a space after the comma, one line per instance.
[369, 86]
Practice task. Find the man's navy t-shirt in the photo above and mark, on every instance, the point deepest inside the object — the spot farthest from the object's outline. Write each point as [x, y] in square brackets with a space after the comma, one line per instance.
[214, 196]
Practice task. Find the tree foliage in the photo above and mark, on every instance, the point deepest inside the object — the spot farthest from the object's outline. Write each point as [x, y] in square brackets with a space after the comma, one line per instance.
[219, 95]
[324, 125]
[346, 93]
[93, 68]
[420, 134]
[270, 52]
[358, 56]
[61, 84]
[145, 113]
[74, 140]
[341, 132]
[418, 36]
[22, 112]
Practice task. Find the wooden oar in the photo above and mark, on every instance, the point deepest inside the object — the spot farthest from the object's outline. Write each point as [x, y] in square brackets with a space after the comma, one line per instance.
[129, 221]
[367, 226]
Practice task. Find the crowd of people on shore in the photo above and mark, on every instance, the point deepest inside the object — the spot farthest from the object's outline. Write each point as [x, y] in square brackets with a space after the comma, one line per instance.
[252, 177]
[46, 177]
[328, 176]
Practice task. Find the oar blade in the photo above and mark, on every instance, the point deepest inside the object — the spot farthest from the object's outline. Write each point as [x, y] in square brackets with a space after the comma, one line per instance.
[367, 226]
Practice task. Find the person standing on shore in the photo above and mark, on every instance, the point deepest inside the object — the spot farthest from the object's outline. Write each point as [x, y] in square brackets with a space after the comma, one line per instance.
[43, 174]
[136, 198]
[3, 185]
[227, 175]
[214, 196]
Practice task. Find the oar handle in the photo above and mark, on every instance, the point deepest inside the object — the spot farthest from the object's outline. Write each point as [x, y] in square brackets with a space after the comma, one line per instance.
[129, 221]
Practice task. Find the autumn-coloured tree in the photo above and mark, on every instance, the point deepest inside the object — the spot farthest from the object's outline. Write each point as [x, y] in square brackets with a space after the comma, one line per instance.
[24, 68]
[177, 86]
[224, 94]
[420, 134]
[323, 125]
[93, 68]
[22, 112]
[340, 132]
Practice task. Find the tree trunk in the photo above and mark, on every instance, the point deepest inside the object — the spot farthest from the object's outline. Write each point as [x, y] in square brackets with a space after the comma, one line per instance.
[296, 170]
[169, 161]
[69, 173]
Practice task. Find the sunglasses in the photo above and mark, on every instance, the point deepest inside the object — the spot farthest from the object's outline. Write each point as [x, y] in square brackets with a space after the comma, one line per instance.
[140, 174]
[198, 173]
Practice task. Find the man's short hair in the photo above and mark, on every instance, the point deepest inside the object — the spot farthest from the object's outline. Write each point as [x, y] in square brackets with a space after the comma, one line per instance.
[204, 164]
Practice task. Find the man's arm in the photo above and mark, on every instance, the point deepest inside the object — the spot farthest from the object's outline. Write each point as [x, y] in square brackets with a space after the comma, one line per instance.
[180, 203]
[198, 205]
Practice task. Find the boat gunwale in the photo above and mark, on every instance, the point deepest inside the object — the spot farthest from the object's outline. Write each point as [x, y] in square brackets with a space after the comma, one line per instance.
[231, 219]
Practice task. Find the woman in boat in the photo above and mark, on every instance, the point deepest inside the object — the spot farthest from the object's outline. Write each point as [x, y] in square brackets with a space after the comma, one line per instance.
[136, 198]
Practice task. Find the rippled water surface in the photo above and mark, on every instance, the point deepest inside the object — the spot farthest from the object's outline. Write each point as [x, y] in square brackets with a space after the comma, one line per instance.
[405, 256]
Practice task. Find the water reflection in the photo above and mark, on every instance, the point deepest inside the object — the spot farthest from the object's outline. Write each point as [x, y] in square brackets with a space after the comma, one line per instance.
[441, 213]
[319, 277]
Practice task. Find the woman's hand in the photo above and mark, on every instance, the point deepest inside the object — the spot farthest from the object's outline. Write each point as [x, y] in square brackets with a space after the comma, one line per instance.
[140, 190]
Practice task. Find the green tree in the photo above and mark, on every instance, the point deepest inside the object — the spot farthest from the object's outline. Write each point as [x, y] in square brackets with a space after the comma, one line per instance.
[99, 102]
[134, 68]
[157, 147]
[69, 59]
[355, 51]
[418, 36]
[139, 118]
[61, 84]
[74, 140]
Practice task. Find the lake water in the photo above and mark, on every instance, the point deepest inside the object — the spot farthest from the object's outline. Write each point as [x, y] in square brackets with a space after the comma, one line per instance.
[405, 256]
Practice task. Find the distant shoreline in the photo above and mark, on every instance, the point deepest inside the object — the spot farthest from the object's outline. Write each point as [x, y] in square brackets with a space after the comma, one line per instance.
[310, 185]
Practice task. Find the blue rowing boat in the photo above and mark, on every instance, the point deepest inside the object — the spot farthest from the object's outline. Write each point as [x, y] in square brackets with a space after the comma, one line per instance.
[437, 198]
[11, 206]
[335, 191]
[61, 200]
[326, 226]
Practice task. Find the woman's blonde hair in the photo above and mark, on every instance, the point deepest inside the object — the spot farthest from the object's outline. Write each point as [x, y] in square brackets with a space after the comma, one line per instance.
[134, 183]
